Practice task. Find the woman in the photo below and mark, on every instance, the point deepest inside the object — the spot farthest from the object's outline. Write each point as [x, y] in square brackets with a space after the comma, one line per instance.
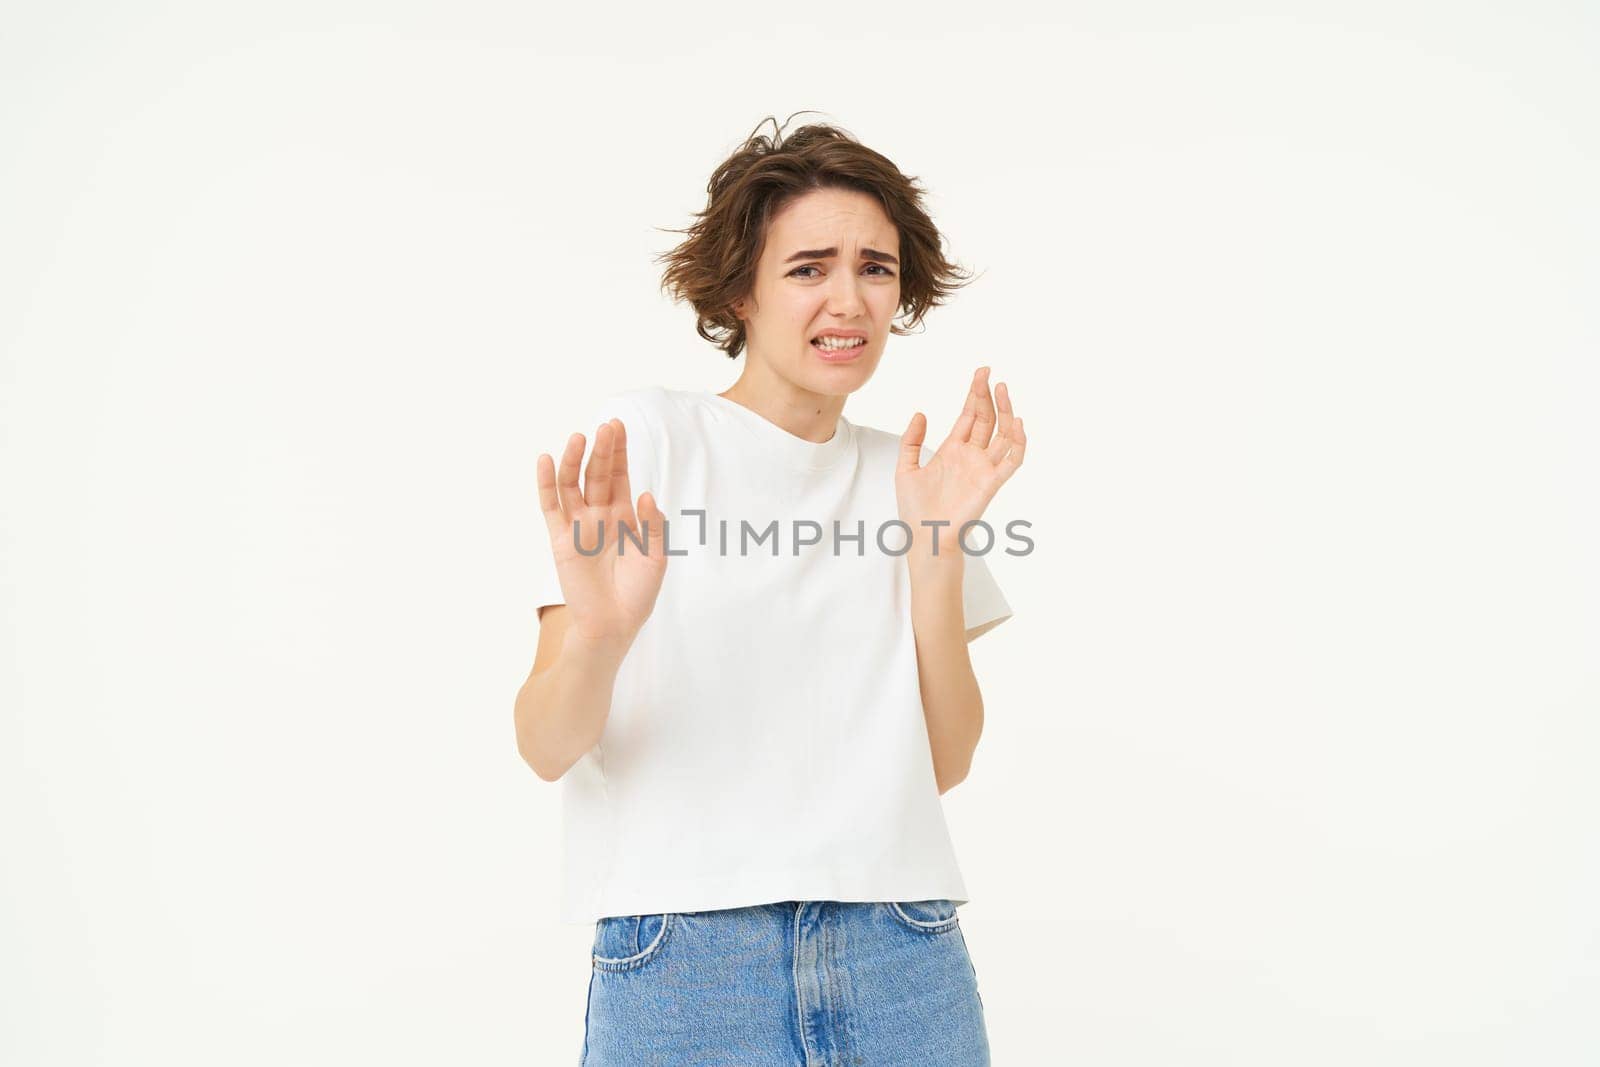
[756, 701]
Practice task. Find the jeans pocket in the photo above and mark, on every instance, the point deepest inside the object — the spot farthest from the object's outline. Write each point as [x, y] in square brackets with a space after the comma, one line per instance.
[926, 916]
[627, 942]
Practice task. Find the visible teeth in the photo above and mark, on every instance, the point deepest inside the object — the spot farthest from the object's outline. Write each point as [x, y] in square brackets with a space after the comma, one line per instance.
[838, 342]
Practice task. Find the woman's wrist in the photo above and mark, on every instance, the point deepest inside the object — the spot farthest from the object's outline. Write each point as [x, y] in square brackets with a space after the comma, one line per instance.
[934, 575]
[935, 550]
[601, 652]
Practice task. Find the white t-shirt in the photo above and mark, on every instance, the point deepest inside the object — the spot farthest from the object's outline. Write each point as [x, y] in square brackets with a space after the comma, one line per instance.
[766, 740]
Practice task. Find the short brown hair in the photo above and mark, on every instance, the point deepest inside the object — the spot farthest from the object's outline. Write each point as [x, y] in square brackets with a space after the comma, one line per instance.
[715, 265]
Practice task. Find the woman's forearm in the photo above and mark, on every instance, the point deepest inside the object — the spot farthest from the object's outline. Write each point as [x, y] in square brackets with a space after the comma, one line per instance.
[951, 701]
[561, 711]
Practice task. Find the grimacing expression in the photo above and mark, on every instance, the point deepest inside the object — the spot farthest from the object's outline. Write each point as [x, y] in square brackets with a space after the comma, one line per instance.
[830, 263]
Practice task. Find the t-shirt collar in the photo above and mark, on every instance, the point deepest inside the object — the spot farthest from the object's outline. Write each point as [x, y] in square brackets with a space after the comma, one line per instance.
[796, 451]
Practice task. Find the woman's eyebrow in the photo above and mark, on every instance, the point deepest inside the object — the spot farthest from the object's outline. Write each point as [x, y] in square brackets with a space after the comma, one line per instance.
[829, 253]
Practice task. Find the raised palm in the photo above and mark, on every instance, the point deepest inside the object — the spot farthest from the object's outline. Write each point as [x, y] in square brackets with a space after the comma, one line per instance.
[609, 595]
[969, 467]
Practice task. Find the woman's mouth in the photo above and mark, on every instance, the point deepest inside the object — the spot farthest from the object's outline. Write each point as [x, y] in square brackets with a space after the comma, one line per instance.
[839, 350]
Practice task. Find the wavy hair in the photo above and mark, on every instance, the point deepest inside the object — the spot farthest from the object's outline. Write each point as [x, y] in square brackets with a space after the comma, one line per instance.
[715, 265]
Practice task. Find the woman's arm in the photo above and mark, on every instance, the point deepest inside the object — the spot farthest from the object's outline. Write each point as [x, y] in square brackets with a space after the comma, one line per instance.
[948, 491]
[561, 710]
[951, 701]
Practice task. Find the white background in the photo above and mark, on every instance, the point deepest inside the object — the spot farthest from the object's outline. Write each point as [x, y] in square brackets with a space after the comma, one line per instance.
[1290, 748]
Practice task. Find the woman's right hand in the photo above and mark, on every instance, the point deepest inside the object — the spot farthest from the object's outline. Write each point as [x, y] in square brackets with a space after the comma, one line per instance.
[609, 596]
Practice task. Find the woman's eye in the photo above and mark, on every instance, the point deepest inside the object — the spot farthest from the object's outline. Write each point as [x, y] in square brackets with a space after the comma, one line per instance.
[887, 273]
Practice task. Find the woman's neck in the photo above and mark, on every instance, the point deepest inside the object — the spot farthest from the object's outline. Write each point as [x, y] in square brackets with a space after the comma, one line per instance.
[808, 415]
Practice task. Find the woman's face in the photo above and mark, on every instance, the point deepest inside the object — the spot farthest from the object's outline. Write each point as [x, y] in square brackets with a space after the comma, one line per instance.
[831, 263]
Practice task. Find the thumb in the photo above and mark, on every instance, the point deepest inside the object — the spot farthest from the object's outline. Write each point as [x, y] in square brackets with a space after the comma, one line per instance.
[655, 523]
[911, 444]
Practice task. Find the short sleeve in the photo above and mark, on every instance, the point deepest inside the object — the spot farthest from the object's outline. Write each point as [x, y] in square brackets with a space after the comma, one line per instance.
[641, 476]
[983, 605]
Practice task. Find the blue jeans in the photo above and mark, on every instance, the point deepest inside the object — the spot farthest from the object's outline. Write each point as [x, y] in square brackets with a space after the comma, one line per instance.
[799, 984]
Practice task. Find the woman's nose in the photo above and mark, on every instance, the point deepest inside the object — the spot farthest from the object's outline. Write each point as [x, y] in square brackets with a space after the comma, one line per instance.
[844, 296]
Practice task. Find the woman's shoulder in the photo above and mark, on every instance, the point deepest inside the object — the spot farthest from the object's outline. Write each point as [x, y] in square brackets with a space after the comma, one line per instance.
[648, 398]
[656, 401]
[660, 414]
[646, 408]
[877, 443]
[670, 412]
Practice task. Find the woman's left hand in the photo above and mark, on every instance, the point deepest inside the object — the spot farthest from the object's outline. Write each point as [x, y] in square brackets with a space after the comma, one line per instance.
[962, 477]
